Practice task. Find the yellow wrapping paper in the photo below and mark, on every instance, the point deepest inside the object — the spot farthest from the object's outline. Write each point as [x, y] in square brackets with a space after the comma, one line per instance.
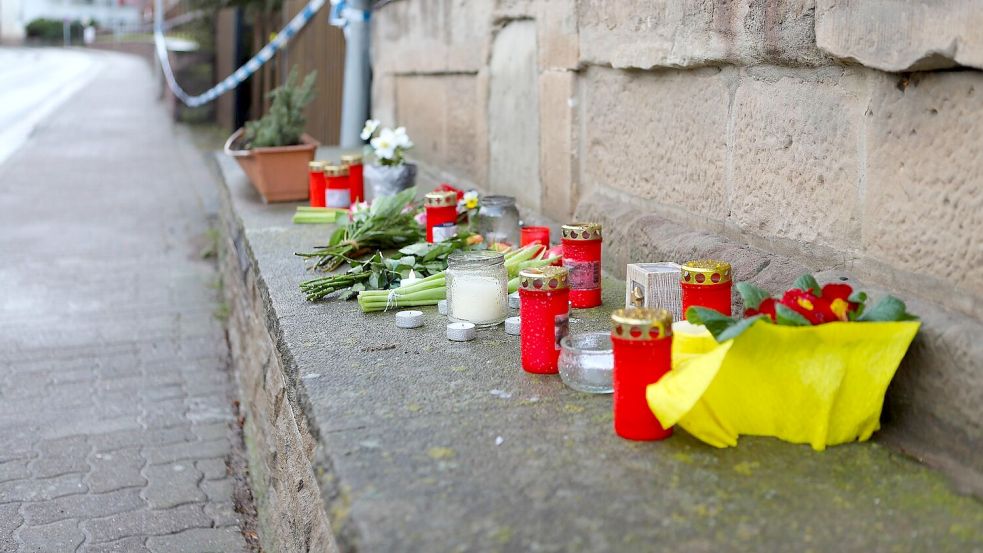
[821, 385]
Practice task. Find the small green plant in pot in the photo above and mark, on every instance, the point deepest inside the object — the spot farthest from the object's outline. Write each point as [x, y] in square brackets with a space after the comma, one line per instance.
[274, 151]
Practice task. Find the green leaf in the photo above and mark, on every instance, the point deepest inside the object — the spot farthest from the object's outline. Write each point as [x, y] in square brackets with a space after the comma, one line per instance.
[889, 308]
[337, 236]
[788, 317]
[808, 282]
[858, 297]
[358, 287]
[751, 294]
[715, 321]
[416, 249]
[374, 281]
[739, 328]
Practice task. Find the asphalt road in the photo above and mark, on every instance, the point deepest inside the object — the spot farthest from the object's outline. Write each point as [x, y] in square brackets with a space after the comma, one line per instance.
[33, 82]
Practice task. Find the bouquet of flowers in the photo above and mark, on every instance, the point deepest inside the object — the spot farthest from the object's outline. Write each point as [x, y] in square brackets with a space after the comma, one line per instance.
[809, 367]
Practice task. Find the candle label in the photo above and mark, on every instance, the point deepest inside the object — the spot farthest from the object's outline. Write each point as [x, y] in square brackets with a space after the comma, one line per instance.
[338, 197]
[561, 327]
[444, 231]
[584, 275]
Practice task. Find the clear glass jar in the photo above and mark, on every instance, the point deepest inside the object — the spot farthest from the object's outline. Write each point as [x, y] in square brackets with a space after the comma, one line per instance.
[587, 362]
[498, 220]
[477, 288]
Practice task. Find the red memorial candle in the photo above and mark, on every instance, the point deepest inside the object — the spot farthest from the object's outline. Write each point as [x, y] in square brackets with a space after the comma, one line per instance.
[545, 310]
[315, 180]
[355, 181]
[441, 207]
[642, 341]
[706, 283]
[528, 235]
[337, 192]
[582, 257]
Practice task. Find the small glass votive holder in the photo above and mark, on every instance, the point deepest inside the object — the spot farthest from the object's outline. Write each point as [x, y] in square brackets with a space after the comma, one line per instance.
[587, 362]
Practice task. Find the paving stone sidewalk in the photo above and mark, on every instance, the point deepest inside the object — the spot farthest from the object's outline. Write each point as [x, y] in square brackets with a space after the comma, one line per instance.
[115, 397]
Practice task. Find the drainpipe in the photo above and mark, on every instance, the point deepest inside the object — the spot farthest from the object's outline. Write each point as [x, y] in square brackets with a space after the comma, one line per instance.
[356, 93]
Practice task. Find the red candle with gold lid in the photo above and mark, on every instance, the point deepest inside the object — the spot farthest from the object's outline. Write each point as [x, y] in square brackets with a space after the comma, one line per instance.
[642, 342]
[315, 183]
[582, 258]
[356, 182]
[545, 310]
[337, 192]
[706, 283]
[441, 208]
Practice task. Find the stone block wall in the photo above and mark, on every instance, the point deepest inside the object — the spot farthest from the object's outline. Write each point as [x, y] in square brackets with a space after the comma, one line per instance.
[834, 135]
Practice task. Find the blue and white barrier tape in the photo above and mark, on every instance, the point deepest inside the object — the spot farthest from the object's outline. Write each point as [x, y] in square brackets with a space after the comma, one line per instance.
[241, 74]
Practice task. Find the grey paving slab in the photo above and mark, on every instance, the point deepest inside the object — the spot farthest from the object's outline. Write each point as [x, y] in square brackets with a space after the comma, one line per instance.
[110, 355]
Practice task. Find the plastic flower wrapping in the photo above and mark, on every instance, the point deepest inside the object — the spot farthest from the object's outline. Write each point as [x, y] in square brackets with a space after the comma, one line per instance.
[809, 367]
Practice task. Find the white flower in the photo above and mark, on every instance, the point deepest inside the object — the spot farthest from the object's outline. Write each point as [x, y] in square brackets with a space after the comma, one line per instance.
[370, 126]
[385, 144]
[402, 139]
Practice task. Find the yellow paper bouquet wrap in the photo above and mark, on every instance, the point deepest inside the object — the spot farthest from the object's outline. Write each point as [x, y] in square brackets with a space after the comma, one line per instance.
[821, 385]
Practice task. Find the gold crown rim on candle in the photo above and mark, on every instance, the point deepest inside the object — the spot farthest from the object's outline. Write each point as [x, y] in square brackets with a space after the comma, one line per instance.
[332, 170]
[544, 279]
[317, 165]
[705, 272]
[641, 323]
[440, 198]
[581, 231]
[351, 159]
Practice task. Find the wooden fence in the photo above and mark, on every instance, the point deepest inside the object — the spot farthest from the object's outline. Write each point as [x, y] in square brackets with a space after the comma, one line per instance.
[319, 46]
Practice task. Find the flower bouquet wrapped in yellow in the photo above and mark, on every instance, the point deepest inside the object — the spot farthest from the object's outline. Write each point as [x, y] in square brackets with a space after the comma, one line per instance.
[811, 367]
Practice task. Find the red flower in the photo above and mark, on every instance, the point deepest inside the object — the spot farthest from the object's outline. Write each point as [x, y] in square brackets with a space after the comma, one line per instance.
[815, 310]
[838, 298]
[766, 307]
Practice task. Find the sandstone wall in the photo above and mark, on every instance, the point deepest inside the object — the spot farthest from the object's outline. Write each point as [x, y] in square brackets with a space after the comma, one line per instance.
[785, 125]
[838, 136]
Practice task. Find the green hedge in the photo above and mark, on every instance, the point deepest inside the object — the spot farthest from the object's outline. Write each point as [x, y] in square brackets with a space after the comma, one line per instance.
[50, 30]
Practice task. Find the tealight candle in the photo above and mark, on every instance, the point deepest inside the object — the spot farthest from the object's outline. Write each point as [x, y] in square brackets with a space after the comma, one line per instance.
[582, 257]
[706, 283]
[460, 332]
[642, 344]
[409, 319]
[477, 287]
[513, 326]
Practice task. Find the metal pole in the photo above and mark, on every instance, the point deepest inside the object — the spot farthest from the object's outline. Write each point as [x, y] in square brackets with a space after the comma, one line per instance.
[355, 95]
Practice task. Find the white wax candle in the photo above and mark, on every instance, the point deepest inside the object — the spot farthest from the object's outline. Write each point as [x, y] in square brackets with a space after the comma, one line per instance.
[476, 299]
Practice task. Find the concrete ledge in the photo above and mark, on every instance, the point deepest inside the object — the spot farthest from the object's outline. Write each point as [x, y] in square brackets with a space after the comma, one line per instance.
[365, 438]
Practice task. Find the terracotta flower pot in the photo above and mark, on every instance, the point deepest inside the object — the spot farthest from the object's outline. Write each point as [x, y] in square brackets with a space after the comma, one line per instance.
[279, 173]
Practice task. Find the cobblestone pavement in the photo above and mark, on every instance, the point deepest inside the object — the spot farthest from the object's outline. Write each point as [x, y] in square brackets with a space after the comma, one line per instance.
[115, 412]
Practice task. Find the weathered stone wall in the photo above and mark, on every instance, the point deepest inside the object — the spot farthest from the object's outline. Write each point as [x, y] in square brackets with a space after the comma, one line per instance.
[281, 447]
[834, 135]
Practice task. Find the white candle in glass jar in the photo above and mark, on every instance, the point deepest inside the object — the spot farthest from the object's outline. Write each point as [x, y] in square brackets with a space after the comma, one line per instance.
[478, 300]
[477, 287]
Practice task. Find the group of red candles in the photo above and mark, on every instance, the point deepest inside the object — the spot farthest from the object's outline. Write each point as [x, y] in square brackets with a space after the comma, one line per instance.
[546, 294]
[642, 340]
[336, 185]
[641, 337]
